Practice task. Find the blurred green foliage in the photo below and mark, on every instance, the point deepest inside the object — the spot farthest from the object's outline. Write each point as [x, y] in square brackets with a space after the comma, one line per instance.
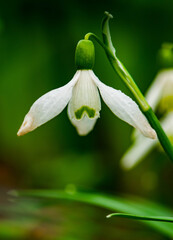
[37, 45]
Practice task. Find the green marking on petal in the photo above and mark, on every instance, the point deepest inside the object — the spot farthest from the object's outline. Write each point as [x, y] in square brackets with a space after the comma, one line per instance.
[85, 109]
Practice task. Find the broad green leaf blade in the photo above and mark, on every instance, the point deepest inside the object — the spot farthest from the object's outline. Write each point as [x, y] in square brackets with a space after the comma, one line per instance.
[144, 218]
[128, 205]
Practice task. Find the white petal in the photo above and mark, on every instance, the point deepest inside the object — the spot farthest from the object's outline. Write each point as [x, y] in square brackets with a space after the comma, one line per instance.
[84, 106]
[167, 123]
[161, 86]
[47, 107]
[138, 151]
[124, 108]
[143, 146]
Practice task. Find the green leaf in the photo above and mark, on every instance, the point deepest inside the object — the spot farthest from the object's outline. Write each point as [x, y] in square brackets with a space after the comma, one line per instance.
[144, 218]
[130, 205]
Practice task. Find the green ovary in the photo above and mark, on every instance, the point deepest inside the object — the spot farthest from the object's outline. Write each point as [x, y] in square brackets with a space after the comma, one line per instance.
[85, 109]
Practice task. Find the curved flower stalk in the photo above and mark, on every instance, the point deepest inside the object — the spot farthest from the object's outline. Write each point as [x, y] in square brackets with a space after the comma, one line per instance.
[81, 95]
[160, 97]
[130, 83]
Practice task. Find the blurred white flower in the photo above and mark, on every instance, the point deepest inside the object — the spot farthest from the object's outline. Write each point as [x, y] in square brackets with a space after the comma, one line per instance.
[160, 97]
[160, 94]
[83, 99]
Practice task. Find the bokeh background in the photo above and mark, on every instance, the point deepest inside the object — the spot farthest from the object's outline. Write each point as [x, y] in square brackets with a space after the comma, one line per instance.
[37, 45]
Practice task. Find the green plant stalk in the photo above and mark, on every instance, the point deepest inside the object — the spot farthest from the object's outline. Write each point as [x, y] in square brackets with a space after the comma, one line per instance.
[144, 106]
[164, 140]
[130, 83]
[123, 73]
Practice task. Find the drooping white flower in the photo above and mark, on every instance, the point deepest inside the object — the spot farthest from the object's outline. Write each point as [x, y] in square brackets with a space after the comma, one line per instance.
[83, 99]
[160, 97]
[143, 146]
[161, 91]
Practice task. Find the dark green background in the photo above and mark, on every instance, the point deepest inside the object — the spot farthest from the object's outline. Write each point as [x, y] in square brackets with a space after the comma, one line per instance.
[37, 45]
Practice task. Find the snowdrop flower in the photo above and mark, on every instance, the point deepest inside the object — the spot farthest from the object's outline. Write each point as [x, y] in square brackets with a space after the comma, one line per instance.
[160, 94]
[143, 146]
[82, 96]
[160, 97]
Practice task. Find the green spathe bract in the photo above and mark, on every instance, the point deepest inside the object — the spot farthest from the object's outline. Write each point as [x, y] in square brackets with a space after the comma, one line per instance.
[85, 55]
[85, 109]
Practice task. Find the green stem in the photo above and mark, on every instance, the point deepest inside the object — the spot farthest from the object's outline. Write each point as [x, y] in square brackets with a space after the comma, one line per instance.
[130, 83]
[154, 122]
[123, 73]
